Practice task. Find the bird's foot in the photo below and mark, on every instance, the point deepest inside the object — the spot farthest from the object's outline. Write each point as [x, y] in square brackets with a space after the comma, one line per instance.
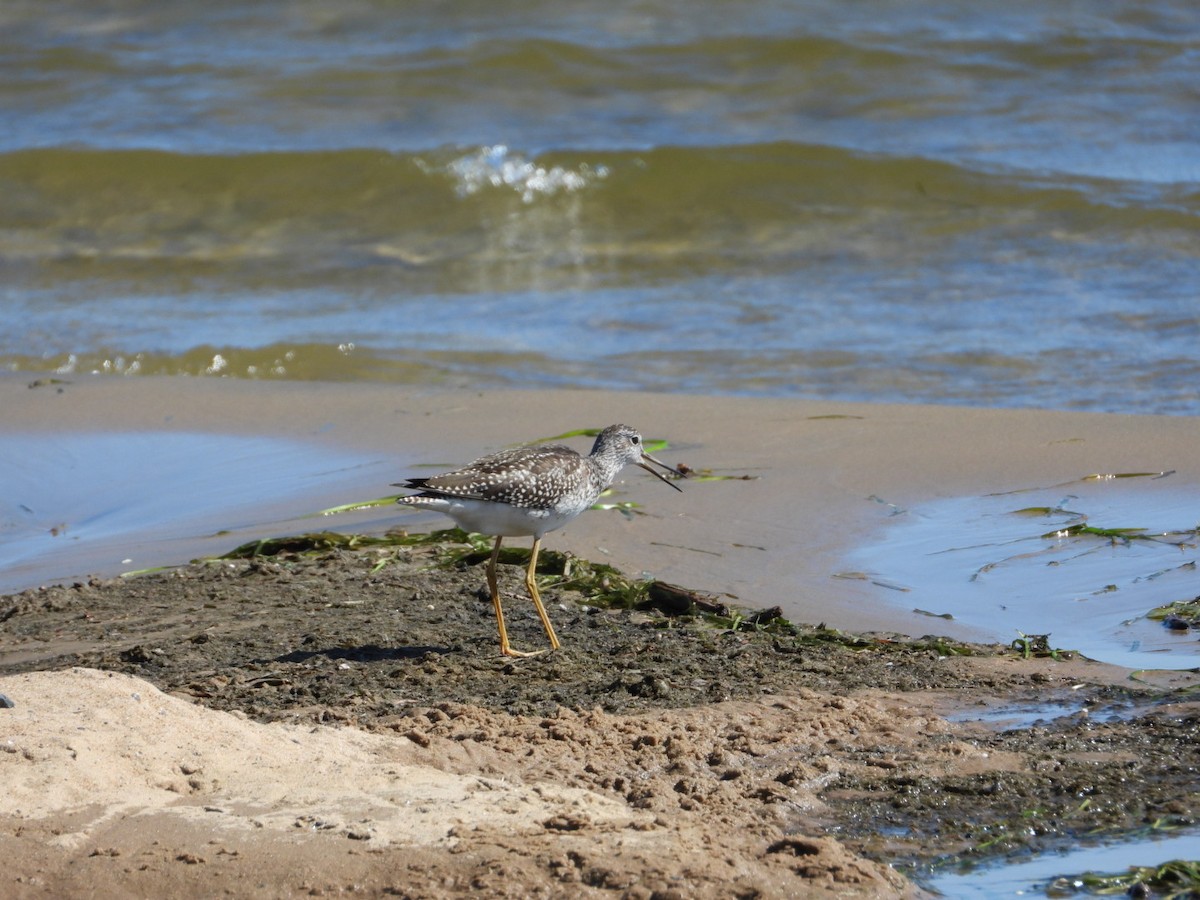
[522, 654]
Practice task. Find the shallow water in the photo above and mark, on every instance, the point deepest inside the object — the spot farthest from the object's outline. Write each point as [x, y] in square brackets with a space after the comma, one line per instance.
[1008, 564]
[77, 505]
[983, 205]
[1032, 878]
[1028, 715]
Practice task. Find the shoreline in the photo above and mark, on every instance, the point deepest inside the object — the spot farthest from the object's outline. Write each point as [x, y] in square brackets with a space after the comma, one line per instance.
[823, 474]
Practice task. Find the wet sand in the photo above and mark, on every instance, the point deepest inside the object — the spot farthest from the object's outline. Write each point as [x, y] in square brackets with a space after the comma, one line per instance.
[820, 471]
[341, 721]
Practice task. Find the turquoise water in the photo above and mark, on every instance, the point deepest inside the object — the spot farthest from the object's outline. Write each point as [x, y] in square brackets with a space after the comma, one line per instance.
[992, 205]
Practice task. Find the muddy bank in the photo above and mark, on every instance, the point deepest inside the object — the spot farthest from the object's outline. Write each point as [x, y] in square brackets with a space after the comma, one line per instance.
[651, 756]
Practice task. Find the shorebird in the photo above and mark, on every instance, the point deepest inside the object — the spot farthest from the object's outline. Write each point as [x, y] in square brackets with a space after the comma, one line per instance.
[530, 491]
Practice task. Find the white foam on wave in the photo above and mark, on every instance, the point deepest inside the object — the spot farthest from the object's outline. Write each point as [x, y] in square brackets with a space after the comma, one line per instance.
[497, 167]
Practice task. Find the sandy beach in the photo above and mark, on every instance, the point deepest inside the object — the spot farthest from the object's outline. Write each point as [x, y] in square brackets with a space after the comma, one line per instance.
[340, 721]
[821, 473]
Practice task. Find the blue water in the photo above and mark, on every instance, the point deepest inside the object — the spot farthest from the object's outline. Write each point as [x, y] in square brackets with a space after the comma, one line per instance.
[1034, 877]
[987, 205]
[1006, 565]
[81, 504]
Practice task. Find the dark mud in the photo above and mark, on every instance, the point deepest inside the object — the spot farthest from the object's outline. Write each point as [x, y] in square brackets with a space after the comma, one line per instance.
[390, 640]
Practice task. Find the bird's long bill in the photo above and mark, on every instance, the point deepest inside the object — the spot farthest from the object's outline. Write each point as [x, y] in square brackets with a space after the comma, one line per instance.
[658, 475]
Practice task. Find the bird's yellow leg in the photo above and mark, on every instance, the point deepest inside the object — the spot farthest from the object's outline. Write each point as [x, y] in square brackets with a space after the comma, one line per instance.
[494, 588]
[531, 584]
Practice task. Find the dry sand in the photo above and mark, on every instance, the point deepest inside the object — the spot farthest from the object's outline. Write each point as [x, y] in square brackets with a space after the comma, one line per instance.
[121, 790]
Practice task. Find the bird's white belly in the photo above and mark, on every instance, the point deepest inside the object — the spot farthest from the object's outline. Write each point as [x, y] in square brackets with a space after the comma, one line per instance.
[502, 520]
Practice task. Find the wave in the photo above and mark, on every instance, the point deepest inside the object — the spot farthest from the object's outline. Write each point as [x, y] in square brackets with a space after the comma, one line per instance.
[354, 207]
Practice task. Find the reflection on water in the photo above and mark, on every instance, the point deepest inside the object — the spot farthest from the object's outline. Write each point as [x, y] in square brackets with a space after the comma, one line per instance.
[1025, 562]
[1034, 877]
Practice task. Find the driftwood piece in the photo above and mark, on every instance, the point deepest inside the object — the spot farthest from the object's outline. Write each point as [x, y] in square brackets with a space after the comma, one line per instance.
[673, 600]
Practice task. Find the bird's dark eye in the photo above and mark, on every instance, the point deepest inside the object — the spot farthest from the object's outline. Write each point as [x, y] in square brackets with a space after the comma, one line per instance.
[635, 439]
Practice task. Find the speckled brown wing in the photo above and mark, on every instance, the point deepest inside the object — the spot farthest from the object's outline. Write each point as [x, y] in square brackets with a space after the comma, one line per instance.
[526, 477]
